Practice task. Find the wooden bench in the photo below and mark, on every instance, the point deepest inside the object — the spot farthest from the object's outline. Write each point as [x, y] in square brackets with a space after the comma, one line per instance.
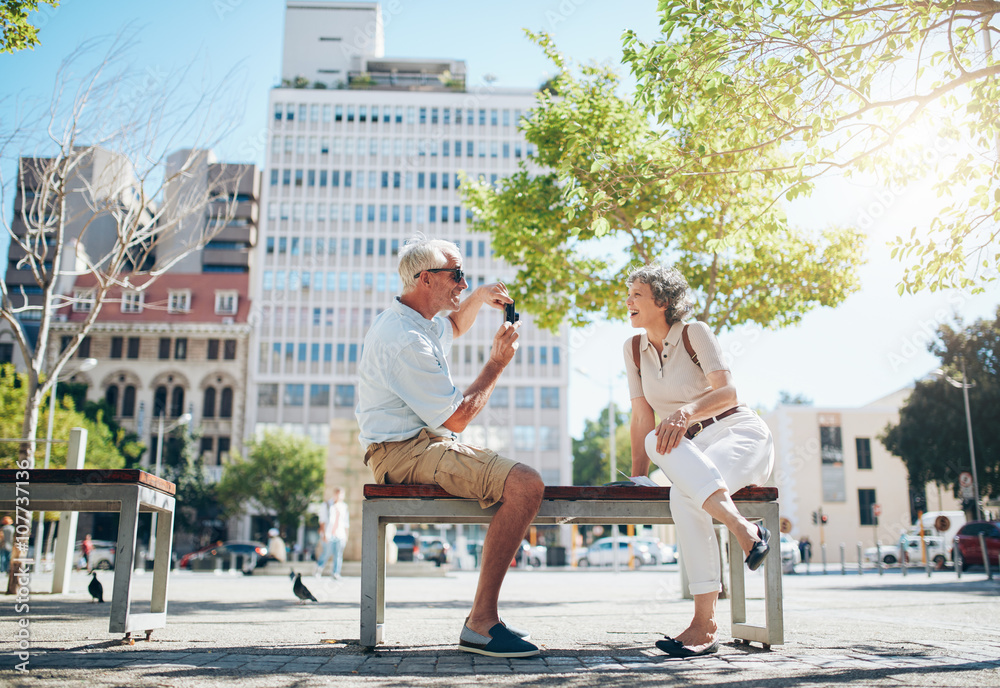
[125, 492]
[385, 504]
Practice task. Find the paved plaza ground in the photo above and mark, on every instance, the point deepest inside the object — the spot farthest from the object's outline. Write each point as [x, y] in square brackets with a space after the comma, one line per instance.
[596, 628]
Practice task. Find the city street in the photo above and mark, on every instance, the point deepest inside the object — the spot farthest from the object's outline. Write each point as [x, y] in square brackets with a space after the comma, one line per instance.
[595, 628]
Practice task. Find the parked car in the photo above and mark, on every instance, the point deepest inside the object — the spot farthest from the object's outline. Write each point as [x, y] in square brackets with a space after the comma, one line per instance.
[601, 552]
[659, 551]
[936, 551]
[790, 554]
[249, 555]
[967, 550]
[434, 549]
[407, 547]
[101, 557]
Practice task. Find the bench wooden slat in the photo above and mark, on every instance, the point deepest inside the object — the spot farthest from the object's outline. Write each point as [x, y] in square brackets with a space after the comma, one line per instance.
[89, 476]
[747, 494]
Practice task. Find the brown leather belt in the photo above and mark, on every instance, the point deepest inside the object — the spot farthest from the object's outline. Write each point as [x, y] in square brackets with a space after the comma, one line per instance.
[695, 428]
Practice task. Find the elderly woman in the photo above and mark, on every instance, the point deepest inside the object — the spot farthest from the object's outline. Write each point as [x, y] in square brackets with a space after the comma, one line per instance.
[707, 443]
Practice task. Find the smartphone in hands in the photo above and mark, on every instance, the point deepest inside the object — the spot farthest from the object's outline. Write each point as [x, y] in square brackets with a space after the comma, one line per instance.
[510, 315]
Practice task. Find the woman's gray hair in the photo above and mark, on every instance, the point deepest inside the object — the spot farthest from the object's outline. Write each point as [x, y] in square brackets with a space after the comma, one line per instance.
[419, 254]
[669, 289]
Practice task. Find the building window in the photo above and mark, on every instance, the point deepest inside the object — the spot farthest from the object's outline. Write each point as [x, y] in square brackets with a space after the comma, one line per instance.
[267, 395]
[524, 437]
[159, 401]
[83, 351]
[500, 397]
[213, 350]
[83, 300]
[181, 348]
[864, 450]
[6, 352]
[548, 438]
[179, 301]
[229, 350]
[524, 397]
[207, 443]
[550, 397]
[344, 396]
[177, 402]
[132, 301]
[164, 348]
[133, 348]
[866, 501]
[223, 449]
[226, 302]
[111, 397]
[128, 402]
[294, 395]
[319, 396]
[116, 347]
[226, 403]
[208, 403]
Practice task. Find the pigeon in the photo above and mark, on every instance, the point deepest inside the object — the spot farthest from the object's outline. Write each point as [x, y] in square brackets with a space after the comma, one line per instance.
[95, 589]
[301, 591]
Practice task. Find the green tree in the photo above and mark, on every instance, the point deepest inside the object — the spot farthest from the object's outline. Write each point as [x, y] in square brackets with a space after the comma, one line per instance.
[845, 87]
[16, 31]
[198, 507]
[590, 453]
[931, 436]
[101, 452]
[607, 174]
[282, 475]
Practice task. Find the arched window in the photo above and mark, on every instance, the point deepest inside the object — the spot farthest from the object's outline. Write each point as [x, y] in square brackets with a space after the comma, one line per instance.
[208, 405]
[226, 403]
[160, 401]
[177, 402]
[111, 396]
[128, 402]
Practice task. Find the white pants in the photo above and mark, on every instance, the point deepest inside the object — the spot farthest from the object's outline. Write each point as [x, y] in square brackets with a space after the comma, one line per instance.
[729, 454]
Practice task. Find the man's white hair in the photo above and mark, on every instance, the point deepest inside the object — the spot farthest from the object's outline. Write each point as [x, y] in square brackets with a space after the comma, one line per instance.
[419, 254]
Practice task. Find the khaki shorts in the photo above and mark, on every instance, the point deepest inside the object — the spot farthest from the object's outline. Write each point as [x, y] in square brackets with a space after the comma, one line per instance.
[461, 469]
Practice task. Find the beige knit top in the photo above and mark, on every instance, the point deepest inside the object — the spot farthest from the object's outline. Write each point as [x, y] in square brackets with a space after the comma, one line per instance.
[672, 379]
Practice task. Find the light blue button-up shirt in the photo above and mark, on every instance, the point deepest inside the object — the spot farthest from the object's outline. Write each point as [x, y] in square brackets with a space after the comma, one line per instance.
[405, 384]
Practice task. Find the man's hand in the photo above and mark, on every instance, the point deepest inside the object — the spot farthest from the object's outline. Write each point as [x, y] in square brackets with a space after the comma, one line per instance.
[505, 344]
[494, 295]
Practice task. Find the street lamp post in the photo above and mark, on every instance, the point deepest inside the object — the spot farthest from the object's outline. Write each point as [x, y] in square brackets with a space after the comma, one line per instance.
[964, 386]
[183, 420]
[85, 365]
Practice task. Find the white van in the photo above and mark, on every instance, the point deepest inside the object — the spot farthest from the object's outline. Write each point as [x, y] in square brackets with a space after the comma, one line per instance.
[955, 520]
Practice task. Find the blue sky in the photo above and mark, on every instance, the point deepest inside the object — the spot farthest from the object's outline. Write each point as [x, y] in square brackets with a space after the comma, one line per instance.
[872, 345]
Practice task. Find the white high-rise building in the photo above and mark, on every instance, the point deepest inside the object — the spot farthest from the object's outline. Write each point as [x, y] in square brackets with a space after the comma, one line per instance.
[367, 152]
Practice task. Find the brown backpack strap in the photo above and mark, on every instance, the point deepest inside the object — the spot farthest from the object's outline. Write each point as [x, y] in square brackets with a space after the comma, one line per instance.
[635, 353]
[688, 347]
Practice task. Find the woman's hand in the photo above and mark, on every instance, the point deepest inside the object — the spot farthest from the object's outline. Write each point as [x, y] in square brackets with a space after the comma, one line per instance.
[670, 431]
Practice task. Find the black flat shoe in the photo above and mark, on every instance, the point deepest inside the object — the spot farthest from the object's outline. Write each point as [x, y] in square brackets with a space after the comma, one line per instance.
[675, 648]
[760, 549]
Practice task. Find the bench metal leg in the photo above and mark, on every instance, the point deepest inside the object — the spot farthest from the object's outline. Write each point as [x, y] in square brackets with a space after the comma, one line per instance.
[372, 576]
[128, 525]
[772, 633]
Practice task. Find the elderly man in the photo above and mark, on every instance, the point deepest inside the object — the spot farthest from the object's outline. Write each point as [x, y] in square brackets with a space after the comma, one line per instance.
[409, 411]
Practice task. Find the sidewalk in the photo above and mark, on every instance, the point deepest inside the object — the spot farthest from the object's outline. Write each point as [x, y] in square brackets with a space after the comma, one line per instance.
[596, 629]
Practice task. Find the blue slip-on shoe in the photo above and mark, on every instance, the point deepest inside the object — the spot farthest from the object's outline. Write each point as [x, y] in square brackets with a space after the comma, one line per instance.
[760, 549]
[500, 643]
[675, 648]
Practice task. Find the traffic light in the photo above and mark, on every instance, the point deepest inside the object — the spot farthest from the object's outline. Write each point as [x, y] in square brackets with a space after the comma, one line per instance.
[815, 518]
[823, 518]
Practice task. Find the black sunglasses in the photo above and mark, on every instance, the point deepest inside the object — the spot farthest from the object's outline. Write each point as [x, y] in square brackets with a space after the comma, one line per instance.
[456, 273]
